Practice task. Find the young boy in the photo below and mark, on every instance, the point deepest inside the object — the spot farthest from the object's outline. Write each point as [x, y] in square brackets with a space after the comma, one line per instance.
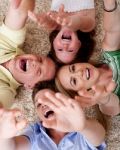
[17, 68]
[62, 125]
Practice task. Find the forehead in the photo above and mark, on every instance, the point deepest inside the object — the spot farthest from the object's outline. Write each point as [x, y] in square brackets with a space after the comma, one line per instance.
[41, 94]
[64, 76]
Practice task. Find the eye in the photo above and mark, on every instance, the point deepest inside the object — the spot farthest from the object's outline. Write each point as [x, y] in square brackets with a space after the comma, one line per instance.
[59, 49]
[70, 51]
[74, 81]
[72, 68]
[38, 105]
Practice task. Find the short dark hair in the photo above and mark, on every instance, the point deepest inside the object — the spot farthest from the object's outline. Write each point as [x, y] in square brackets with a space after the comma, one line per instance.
[44, 85]
[85, 51]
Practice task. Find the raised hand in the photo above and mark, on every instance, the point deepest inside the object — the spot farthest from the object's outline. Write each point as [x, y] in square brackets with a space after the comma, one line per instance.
[61, 17]
[69, 116]
[43, 20]
[10, 123]
[95, 95]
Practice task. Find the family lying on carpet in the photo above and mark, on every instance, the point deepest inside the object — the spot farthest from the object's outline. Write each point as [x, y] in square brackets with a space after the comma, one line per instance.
[60, 92]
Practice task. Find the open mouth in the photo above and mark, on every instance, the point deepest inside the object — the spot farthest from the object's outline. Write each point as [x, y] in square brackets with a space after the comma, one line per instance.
[87, 73]
[23, 65]
[66, 37]
[46, 111]
[48, 114]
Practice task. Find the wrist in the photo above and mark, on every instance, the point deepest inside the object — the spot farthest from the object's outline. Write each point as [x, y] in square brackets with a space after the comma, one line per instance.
[110, 6]
[105, 101]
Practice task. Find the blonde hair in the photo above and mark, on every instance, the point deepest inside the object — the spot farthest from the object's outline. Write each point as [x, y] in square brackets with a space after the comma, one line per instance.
[69, 93]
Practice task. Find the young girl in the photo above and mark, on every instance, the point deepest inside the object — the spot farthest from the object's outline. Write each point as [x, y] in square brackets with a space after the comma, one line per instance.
[98, 83]
[71, 24]
[62, 125]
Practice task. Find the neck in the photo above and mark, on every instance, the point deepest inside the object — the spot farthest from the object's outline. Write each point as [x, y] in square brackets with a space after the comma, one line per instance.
[55, 135]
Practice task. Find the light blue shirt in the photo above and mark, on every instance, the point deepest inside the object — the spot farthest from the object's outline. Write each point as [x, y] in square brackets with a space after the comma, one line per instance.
[72, 141]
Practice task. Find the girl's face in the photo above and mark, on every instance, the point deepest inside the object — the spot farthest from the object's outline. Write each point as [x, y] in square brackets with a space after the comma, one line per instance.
[78, 76]
[66, 45]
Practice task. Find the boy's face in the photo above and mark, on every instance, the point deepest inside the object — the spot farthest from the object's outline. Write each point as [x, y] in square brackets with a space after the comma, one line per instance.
[28, 69]
[43, 111]
[78, 76]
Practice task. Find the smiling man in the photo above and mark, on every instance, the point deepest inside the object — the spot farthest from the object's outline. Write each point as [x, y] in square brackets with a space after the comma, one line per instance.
[17, 68]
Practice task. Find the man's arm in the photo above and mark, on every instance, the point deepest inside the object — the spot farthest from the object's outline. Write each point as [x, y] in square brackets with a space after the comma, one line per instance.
[111, 40]
[16, 17]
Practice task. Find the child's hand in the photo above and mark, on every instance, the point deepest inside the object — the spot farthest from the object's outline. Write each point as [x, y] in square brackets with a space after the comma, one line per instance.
[96, 95]
[10, 123]
[61, 17]
[69, 116]
[43, 20]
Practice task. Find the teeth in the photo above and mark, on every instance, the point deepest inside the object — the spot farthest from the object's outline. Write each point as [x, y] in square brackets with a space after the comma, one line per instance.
[87, 74]
[27, 65]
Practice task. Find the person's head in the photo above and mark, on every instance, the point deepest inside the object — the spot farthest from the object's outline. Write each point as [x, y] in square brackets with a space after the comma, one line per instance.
[43, 111]
[77, 77]
[68, 46]
[28, 69]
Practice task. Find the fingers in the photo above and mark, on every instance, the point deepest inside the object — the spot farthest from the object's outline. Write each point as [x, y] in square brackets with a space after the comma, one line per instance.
[52, 97]
[32, 16]
[111, 86]
[61, 10]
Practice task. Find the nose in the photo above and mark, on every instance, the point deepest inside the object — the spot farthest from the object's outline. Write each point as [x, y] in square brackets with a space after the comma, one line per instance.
[78, 73]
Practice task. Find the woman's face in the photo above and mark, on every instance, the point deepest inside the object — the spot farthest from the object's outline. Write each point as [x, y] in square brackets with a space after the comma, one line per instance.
[78, 76]
[66, 45]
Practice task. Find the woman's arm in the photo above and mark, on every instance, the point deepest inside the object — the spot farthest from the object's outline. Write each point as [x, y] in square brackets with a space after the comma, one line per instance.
[111, 40]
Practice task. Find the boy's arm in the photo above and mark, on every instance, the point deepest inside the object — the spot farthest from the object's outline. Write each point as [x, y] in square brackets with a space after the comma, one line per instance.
[69, 117]
[111, 40]
[16, 17]
[9, 127]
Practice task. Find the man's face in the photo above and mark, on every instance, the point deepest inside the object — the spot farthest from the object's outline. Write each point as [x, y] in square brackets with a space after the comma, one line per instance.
[28, 69]
[43, 111]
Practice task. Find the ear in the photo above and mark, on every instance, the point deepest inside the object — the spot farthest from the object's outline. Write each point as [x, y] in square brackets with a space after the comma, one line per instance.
[28, 86]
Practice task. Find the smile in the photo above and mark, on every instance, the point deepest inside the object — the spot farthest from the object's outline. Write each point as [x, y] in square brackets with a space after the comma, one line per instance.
[87, 73]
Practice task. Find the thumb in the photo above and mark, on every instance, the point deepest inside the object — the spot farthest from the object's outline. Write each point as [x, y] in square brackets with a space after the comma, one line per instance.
[111, 86]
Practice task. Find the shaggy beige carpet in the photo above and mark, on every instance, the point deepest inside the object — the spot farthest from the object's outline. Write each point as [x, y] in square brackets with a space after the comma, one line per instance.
[37, 42]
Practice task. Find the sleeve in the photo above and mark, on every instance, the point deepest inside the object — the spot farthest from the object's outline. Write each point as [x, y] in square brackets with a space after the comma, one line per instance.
[6, 97]
[16, 36]
[29, 133]
[84, 143]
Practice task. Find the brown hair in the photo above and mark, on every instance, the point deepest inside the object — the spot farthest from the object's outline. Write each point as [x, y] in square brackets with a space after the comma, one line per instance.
[85, 51]
[44, 85]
